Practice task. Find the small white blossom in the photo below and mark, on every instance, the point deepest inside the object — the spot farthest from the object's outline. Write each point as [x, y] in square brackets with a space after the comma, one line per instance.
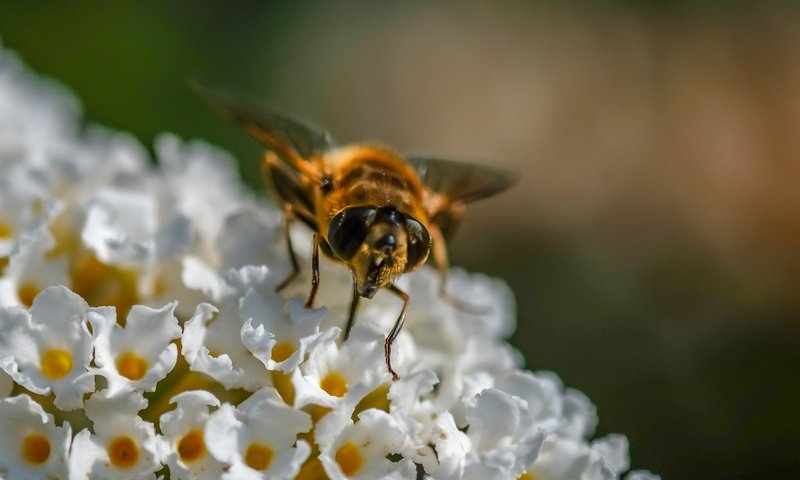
[32, 446]
[504, 438]
[123, 227]
[138, 355]
[277, 332]
[186, 453]
[49, 348]
[339, 377]
[212, 345]
[258, 439]
[123, 446]
[359, 450]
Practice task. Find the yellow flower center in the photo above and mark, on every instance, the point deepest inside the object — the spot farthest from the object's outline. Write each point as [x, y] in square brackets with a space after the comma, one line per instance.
[191, 447]
[56, 363]
[258, 457]
[131, 366]
[27, 292]
[6, 231]
[334, 384]
[36, 448]
[349, 458]
[526, 476]
[282, 351]
[123, 452]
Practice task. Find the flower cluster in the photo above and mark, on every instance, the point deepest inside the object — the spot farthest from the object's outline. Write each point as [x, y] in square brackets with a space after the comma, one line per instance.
[141, 335]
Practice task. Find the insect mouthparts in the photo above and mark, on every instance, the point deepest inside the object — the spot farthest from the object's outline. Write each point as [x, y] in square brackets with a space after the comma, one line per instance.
[386, 243]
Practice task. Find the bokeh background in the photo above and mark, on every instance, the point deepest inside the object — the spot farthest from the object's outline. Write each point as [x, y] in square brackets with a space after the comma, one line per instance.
[653, 240]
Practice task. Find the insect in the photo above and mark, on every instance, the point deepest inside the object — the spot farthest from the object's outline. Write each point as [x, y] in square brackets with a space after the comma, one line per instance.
[377, 212]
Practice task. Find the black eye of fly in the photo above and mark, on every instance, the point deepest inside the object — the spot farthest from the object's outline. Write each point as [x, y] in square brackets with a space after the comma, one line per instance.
[349, 229]
[419, 243]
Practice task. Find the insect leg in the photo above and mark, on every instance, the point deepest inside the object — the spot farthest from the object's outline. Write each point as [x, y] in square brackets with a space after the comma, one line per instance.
[398, 325]
[351, 317]
[288, 216]
[314, 272]
[439, 252]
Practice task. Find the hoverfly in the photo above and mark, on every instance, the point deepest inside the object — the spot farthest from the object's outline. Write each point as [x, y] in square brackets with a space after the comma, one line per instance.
[379, 213]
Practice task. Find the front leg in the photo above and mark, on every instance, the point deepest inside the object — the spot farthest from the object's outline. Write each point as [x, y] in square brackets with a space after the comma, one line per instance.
[398, 325]
[288, 216]
[351, 317]
[314, 272]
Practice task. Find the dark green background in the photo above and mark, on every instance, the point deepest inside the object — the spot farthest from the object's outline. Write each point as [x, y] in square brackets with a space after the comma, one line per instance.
[696, 366]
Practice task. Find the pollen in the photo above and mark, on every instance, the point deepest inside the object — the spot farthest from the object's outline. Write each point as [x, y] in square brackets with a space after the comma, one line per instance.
[131, 366]
[36, 449]
[349, 458]
[258, 457]
[123, 452]
[191, 447]
[56, 363]
[282, 351]
[334, 384]
[27, 292]
[526, 476]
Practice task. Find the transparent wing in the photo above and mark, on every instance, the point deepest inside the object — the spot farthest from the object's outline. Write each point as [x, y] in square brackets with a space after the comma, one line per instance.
[454, 184]
[276, 131]
[459, 181]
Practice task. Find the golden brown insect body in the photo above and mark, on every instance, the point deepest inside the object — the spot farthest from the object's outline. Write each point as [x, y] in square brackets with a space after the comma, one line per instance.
[369, 176]
[370, 208]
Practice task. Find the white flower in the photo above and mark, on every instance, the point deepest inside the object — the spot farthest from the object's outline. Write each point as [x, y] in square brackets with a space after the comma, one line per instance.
[122, 446]
[562, 458]
[212, 345]
[439, 446]
[339, 377]
[123, 227]
[49, 348]
[29, 269]
[184, 430]
[359, 450]
[258, 439]
[31, 445]
[565, 412]
[505, 440]
[277, 332]
[138, 355]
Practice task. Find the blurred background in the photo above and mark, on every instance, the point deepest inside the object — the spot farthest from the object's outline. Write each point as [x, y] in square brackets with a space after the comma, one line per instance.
[653, 240]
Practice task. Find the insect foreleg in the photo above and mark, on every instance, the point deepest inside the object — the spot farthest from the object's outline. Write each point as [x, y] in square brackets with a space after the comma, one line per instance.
[288, 216]
[314, 272]
[398, 325]
[351, 317]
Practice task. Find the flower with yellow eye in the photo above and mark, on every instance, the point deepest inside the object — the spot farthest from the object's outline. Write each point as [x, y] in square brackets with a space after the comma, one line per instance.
[372, 447]
[138, 355]
[258, 439]
[123, 446]
[32, 446]
[49, 347]
[184, 436]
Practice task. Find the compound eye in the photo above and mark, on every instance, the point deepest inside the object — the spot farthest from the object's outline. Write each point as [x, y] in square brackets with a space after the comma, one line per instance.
[419, 243]
[348, 230]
